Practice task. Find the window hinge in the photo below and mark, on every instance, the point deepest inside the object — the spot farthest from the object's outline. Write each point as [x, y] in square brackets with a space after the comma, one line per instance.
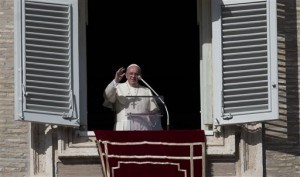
[24, 90]
[227, 116]
[67, 116]
[217, 126]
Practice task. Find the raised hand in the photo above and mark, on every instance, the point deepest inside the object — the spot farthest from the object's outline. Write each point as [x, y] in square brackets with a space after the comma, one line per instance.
[119, 74]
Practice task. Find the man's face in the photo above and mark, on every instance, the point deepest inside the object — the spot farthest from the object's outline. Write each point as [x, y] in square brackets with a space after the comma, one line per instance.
[132, 75]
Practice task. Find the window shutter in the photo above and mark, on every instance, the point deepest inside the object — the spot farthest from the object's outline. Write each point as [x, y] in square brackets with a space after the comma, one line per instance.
[47, 61]
[245, 61]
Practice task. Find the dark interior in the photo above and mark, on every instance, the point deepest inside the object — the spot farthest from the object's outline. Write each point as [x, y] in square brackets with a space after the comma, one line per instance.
[162, 37]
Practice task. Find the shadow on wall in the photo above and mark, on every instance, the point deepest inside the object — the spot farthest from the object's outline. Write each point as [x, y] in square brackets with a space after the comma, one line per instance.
[283, 135]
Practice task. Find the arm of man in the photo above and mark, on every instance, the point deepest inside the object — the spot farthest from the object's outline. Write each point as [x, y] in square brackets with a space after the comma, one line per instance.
[110, 94]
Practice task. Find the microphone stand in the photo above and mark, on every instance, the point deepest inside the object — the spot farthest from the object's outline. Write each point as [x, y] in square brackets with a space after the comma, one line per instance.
[167, 112]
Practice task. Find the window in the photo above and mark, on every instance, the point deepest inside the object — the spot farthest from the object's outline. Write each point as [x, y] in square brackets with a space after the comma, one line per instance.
[49, 64]
[244, 61]
[51, 89]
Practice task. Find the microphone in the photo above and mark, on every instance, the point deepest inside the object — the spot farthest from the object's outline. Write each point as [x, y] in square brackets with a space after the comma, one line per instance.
[165, 106]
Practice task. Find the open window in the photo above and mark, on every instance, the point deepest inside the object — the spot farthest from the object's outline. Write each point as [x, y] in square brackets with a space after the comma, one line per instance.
[55, 90]
[244, 61]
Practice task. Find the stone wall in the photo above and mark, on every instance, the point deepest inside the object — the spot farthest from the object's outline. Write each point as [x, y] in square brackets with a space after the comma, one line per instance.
[14, 137]
[282, 138]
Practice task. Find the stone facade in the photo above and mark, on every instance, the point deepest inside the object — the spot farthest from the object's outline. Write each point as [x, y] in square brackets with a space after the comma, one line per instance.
[14, 136]
[282, 137]
[277, 143]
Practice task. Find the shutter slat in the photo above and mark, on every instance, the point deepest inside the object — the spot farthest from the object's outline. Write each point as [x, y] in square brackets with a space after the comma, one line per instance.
[44, 47]
[36, 23]
[49, 77]
[48, 53]
[49, 41]
[253, 71]
[251, 16]
[253, 84]
[49, 95]
[228, 24]
[50, 103]
[242, 41]
[241, 47]
[46, 6]
[46, 58]
[48, 35]
[248, 108]
[47, 89]
[49, 71]
[262, 64]
[46, 82]
[243, 59]
[248, 29]
[50, 109]
[245, 53]
[247, 102]
[247, 77]
[246, 11]
[244, 95]
[250, 90]
[48, 17]
[228, 37]
[39, 28]
[46, 64]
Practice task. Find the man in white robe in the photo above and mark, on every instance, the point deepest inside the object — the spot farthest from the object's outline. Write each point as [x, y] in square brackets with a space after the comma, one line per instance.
[132, 102]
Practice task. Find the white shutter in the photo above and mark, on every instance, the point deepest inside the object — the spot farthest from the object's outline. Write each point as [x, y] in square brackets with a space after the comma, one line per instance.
[47, 60]
[245, 61]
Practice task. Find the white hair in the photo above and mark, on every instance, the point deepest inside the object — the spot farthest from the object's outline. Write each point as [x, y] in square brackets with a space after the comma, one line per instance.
[134, 65]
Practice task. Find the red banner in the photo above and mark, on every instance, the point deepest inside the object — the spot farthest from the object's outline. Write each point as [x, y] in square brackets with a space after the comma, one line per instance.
[176, 153]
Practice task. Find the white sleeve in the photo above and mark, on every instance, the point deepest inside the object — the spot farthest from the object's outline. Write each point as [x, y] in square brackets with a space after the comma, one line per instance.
[109, 94]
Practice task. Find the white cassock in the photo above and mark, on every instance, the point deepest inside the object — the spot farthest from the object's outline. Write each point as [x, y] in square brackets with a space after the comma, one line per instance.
[132, 111]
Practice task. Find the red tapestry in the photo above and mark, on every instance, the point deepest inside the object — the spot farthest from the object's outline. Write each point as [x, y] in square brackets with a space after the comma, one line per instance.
[176, 153]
